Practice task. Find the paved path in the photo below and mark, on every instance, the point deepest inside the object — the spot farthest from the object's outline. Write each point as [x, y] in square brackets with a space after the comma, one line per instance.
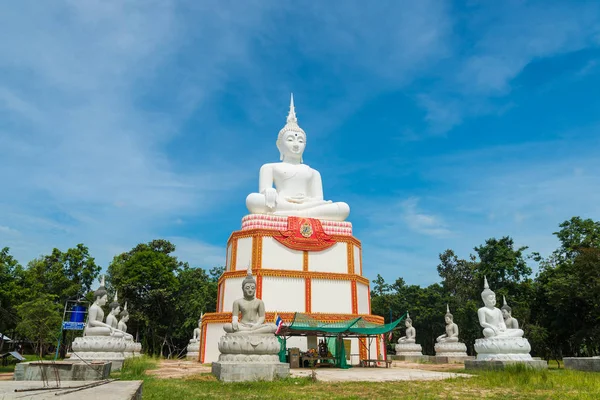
[375, 374]
[116, 390]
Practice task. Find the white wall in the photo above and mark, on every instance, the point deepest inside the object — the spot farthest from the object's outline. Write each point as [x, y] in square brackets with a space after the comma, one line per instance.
[357, 261]
[228, 266]
[362, 296]
[233, 291]
[283, 294]
[214, 332]
[329, 296]
[334, 259]
[277, 256]
[244, 254]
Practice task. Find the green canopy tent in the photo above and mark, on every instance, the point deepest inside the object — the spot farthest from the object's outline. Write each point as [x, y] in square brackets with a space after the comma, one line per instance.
[305, 325]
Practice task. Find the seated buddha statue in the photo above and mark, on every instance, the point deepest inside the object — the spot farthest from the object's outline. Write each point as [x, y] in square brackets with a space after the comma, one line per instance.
[291, 188]
[451, 335]
[509, 320]
[196, 335]
[490, 317]
[252, 310]
[410, 334]
[113, 322]
[95, 325]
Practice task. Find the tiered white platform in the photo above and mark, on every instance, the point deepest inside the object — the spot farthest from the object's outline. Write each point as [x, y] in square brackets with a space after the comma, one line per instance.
[326, 284]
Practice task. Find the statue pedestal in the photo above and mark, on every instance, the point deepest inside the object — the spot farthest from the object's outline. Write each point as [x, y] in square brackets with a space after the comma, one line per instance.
[451, 349]
[503, 349]
[241, 372]
[291, 280]
[193, 350]
[249, 357]
[408, 349]
[105, 348]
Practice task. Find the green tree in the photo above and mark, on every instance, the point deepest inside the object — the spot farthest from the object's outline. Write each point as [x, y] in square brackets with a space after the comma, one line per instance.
[66, 275]
[197, 294]
[146, 277]
[576, 234]
[40, 321]
[11, 274]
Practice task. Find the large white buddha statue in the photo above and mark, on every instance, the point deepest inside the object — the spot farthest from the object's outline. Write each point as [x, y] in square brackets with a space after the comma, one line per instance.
[499, 342]
[291, 188]
[490, 317]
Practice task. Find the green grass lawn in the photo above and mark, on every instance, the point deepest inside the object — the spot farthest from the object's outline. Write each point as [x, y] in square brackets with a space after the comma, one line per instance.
[509, 384]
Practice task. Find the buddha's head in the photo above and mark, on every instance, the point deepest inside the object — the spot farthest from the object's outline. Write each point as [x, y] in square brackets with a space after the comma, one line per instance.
[408, 322]
[488, 297]
[125, 314]
[449, 318]
[506, 310]
[249, 285]
[291, 140]
[100, 294]
[115, 307]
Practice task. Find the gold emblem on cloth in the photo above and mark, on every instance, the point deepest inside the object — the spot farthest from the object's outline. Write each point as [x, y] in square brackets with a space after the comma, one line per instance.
[306, 230]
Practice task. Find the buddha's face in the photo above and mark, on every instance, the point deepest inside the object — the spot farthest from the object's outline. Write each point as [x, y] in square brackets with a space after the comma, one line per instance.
[505, 313]
[490, 300]
[249, 290]
[448, 320]
[102, 300]
[116, 310]
[125, 318]
[292, 144]
[407, 324]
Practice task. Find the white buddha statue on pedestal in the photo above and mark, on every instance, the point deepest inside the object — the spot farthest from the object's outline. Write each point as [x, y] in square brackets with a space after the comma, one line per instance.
[499, 342]
[102, 340]
[407, 345]
[291, 188]
[193, 347]
[448, 344]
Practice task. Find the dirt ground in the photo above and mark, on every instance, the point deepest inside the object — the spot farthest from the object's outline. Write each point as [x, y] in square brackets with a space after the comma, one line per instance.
[181, 369]
[6, 376]
[178, 369]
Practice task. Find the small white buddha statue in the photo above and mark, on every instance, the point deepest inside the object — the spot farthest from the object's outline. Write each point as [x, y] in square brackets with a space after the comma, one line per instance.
[122, 326]
[252, 310]
[490, 317]
[196, 335]
[509, 320]
[451, 335]
[111, 319]
[291, 188]
[410, 334]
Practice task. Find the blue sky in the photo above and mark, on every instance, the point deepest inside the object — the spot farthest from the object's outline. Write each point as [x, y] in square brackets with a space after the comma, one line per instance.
[441, 123]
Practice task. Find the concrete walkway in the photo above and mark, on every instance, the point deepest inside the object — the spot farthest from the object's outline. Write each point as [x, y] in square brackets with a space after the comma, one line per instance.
[358, 374]
[116, 390]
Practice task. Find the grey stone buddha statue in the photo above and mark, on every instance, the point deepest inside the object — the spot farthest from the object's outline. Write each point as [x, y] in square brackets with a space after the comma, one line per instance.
[252, 310]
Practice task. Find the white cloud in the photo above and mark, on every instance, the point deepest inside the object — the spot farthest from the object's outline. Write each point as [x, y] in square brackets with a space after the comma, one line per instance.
[84, 156]
[508, 37]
